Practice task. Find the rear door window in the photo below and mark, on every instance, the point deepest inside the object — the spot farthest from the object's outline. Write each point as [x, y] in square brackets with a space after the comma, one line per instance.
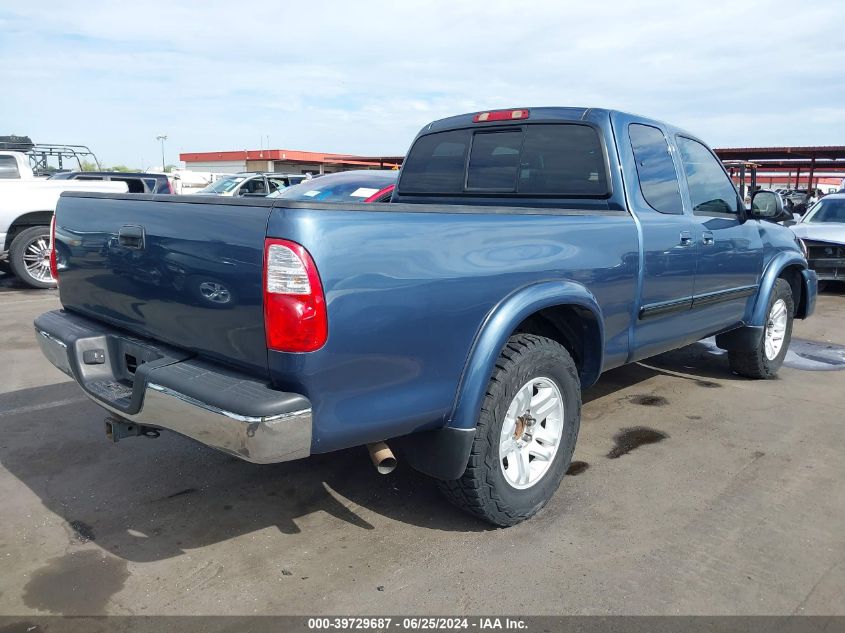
[655, 169]
[9, 167]
[565, 160]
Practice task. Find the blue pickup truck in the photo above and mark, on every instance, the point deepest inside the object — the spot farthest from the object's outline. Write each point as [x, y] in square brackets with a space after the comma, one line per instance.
[523, 253]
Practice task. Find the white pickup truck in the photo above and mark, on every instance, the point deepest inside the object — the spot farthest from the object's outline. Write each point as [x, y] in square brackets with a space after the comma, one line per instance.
[26, 208]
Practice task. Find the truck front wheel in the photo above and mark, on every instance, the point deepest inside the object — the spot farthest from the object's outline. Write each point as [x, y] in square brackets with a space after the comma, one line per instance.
[29, 257]
[766, 357]
[525, 435]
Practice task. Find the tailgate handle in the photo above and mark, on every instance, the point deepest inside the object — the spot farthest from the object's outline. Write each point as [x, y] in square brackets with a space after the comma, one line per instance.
[131, 236]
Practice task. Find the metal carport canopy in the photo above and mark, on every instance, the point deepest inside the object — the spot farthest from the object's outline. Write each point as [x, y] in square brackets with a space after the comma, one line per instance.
[823, 158]
[756, 154]
[812, 160]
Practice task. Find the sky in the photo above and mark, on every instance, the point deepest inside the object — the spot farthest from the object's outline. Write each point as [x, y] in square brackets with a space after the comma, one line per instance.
[362, 77]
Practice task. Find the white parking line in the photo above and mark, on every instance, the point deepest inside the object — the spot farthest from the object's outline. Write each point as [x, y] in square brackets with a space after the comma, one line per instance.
[40, 407]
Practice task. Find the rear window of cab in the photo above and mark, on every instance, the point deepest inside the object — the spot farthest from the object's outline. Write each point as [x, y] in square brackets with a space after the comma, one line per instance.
[560, 159]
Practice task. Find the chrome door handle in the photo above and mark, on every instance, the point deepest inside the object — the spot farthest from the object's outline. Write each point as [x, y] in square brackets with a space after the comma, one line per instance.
[708, 239]
[686, 238]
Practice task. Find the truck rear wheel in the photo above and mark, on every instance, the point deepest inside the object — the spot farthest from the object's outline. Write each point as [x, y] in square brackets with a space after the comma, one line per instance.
[29, 257]
[525, 435]
[766, 357]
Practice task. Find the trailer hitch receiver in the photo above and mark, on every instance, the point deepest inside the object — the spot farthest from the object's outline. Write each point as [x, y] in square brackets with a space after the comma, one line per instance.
[117, 429]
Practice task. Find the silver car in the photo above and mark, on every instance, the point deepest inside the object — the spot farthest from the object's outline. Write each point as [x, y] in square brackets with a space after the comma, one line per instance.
[251, 184]
[823, 231]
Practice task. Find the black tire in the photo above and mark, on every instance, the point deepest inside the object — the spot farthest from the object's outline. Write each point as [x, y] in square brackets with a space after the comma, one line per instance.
[823, 286]
[483, 490]
[754, 363]
[19, 248]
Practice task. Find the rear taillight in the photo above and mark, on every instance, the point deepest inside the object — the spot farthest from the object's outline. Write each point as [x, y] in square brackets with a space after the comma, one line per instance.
[500, 115]
[381, 193]
[54, 265]
[294, 306]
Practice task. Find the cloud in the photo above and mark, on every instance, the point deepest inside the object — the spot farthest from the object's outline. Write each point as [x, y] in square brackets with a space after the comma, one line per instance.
[363, 77]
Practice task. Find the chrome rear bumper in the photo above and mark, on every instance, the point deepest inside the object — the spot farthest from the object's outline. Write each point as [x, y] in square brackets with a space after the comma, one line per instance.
[168, 389]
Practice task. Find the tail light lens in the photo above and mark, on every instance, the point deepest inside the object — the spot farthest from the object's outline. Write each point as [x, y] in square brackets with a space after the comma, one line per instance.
[294, 305]
[54, 265]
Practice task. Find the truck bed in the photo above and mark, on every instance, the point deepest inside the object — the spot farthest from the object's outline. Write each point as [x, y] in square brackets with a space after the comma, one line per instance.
[407, 288]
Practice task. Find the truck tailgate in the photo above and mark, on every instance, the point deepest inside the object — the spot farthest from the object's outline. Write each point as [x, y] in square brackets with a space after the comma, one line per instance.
[184, 271]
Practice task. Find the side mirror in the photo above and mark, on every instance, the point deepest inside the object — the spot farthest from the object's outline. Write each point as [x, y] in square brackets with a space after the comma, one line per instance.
[767, 205]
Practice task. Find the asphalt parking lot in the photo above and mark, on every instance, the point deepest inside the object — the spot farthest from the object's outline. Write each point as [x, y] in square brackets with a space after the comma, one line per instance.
[727, 497]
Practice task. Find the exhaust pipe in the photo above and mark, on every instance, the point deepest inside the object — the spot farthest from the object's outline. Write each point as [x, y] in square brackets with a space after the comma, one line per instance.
[383, 458]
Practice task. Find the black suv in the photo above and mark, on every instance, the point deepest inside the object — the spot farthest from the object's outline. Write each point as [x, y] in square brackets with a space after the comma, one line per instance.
[136, 182]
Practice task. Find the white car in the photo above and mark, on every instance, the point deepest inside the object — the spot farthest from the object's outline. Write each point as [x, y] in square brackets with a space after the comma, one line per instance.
[27, 204]
[823, 231]
[254, 184]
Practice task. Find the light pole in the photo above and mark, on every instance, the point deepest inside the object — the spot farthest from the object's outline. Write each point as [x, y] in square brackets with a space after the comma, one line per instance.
[162, 138]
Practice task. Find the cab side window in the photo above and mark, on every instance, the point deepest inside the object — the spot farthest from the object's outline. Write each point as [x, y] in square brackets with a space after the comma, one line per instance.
[133, 185]
[710, 189]
[254, 186]
[655, 169]
[274, 184]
